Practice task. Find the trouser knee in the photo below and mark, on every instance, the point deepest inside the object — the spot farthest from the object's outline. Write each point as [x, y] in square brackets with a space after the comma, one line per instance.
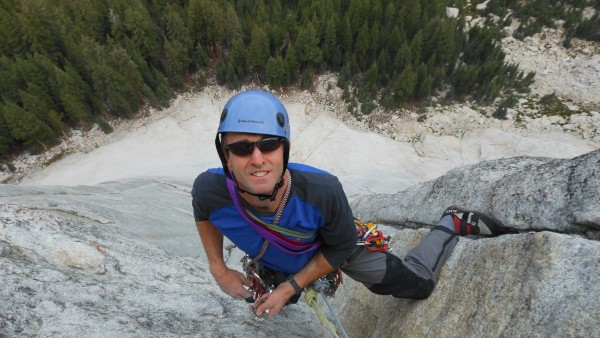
[401, 282]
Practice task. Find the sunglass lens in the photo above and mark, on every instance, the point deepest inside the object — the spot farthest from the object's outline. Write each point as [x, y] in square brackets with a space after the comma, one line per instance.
[268, 144]
[245, 148]
[241, 148]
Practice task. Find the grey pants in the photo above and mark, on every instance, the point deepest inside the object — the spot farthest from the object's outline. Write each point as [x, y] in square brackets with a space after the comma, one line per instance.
[415, 277]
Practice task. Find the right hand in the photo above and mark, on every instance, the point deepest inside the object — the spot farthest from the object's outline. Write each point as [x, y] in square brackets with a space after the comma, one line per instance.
[234, 283]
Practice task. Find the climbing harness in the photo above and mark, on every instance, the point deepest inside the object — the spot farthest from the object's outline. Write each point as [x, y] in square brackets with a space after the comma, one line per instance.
[370, 237]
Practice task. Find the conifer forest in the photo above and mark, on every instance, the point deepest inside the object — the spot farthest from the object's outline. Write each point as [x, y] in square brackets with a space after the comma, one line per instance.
[73, 64]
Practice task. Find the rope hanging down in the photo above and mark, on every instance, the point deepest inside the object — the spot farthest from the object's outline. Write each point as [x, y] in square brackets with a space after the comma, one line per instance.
[310, 296]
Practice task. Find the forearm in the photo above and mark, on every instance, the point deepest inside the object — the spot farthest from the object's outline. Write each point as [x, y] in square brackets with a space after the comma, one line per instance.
[212, 241]
[232, 282]
[316, 268]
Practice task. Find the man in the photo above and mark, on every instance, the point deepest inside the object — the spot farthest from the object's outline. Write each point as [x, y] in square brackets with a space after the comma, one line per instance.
[295, 219]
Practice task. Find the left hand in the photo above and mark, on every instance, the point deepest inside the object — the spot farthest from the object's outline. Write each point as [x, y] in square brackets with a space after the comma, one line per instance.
[269, 304]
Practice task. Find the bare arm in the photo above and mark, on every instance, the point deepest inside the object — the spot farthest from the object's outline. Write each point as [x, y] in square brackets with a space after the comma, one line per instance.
[230, 281]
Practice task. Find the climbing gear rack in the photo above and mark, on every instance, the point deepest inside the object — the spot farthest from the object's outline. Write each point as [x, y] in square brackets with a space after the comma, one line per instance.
[372, 238]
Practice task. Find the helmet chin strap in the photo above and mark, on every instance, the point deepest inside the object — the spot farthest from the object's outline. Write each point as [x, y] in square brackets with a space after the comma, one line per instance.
[261, 197]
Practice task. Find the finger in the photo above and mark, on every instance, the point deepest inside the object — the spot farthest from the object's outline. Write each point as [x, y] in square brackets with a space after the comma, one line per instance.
[262, 299]
[247, 294]
[260, 308]
[247, 282]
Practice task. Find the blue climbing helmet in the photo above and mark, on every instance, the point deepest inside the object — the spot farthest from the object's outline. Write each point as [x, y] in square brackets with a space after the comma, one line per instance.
[254, 112]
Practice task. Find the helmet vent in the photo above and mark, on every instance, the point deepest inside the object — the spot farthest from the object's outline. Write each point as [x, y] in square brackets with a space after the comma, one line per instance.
[280, 120]
[224, 114]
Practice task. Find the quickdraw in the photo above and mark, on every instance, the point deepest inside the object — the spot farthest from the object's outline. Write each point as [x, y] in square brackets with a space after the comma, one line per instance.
[262, 280]
[370, 237]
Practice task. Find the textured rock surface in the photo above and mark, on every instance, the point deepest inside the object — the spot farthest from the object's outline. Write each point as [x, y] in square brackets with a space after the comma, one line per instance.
[523, 193]
[84, 262]
[123, 259]
[526, 285]
[535, 283]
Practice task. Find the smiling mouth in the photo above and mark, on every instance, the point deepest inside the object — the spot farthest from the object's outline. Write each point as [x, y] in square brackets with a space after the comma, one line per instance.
[260, 173]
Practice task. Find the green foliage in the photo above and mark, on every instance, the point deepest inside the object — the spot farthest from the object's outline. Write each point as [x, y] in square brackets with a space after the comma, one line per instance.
[25, 126]
[232, 80]
[104, 126]
[589, 29]
[200, 81]
[221, 72]
[276, 72]
[306, 82]
[258, 51]
[67, 64]
[307, 50]
[503, 107]
[552, 105]
[536, 14]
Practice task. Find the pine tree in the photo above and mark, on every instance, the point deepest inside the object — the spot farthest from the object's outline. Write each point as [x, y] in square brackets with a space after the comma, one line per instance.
[416, 47]
[41, 30]
[362, 46]
[7, 142]
[346, 36]
[231, 78]
[403, 58]
[221, 72]
[276, 72]
[232, 26]
[74, 96]
[25, 126]
[411, 15]
[439, 41]
[330, 52]
[372, 78]
[196, 19]
[215, 26]
[12, 42]
[258, 51]
[307, 48]
[404, 85]
[177, 61]
[36, 100]
[423, 84]
[11, 82]
[395, 40]
[144, 33]
[291, 62]
[385, 67]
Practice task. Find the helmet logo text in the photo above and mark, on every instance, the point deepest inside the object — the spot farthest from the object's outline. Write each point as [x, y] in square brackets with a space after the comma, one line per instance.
[250, 121]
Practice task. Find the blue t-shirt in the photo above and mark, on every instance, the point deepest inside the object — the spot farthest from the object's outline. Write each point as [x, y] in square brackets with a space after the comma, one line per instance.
[317, 204]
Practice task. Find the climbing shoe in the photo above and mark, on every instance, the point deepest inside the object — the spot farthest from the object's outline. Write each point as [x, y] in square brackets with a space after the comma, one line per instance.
[472, 222]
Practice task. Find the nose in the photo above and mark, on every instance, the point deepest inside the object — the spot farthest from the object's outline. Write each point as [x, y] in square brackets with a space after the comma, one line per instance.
[257, 156]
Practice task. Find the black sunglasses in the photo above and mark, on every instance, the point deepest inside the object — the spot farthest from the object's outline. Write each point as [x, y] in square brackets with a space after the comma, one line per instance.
[245, 148]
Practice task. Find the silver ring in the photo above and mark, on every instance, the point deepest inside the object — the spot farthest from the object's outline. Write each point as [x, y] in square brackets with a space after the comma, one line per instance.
[267, 311]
